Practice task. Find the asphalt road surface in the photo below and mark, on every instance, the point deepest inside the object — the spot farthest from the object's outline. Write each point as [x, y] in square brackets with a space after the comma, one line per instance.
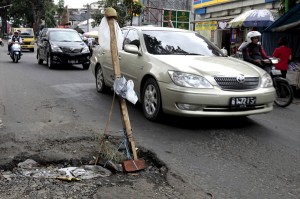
[254, 157]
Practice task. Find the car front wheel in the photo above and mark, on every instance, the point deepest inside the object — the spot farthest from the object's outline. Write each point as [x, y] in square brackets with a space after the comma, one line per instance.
[151, 100]
[100, 85]
[49, 62]
[40, 61]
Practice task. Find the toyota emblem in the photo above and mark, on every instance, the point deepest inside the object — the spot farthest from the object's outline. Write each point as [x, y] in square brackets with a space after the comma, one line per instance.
[240, 79]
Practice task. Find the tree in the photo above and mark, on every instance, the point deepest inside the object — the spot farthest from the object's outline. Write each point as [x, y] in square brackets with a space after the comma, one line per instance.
[134, 8]
[60, 11]
[289, 3]
[126, 9]
[4, 10]
[28, 13]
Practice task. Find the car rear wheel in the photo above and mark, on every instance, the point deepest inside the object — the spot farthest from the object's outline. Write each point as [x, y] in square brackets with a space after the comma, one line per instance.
[40, 61]
[49, 62]
[100, 85]
[151, 100]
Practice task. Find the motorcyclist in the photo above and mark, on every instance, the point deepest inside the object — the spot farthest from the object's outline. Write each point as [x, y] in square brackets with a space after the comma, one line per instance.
[14, 38]
[253, 52]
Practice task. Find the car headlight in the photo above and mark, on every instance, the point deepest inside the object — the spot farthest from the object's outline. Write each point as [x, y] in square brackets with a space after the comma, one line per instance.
[189, 80]
[266, 81]
[85, 50]
[55, 48]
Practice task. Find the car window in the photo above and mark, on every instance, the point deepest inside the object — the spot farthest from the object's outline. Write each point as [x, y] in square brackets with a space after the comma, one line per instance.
[180, 43]
[132, 38]
[64, 36]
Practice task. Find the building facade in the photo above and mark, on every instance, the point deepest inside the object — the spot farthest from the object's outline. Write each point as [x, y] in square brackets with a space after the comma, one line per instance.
[211, 18]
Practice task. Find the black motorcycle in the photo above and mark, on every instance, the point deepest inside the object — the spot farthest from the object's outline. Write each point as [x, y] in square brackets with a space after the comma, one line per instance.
[284, 91]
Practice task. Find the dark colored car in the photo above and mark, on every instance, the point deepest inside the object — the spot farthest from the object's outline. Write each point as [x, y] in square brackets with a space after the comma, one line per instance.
[62, 46]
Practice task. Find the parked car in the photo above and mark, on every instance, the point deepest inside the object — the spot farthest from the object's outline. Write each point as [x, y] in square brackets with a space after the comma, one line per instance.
[62, 46]
[180, 72]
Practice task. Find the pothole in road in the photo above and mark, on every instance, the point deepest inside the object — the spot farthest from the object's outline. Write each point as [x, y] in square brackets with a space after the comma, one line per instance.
[48, 173]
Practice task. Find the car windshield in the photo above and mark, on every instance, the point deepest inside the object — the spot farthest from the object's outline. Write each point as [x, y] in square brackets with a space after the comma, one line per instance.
[64, 36]
[179, 43]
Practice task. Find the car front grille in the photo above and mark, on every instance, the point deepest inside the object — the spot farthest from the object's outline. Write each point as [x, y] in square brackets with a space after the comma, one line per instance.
[71, 50]
[231, 83]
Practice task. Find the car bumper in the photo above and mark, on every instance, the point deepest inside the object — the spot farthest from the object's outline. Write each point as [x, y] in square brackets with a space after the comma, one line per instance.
[27, 46]
[213, 102]
[75, 58]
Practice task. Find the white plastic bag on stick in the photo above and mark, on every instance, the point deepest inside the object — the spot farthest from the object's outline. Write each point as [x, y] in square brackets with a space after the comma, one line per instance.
[104, 35]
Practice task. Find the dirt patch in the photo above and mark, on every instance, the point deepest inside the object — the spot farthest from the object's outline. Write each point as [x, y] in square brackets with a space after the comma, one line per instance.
[51, 155]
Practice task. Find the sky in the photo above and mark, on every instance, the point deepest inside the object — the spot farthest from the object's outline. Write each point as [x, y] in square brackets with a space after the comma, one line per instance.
[76, 3]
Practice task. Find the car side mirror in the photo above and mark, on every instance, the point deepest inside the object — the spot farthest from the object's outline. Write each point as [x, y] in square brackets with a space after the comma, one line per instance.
[131, 48]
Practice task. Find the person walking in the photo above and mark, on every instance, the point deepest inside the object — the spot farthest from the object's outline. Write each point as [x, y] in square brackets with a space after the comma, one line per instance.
[253, 52]
[284, 53]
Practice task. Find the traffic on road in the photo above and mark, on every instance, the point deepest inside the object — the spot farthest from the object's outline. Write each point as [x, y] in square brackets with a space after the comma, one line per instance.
[219, 156]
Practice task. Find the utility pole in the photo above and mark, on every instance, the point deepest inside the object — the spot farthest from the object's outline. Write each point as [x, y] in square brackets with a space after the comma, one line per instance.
[88, 19]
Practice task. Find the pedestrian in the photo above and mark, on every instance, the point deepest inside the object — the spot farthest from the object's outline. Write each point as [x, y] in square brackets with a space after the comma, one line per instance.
[284, 53]
[254, 52]
[90, 44]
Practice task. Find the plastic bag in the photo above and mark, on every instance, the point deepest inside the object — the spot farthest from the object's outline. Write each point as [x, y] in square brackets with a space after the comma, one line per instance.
[124, 89]
[104, 35]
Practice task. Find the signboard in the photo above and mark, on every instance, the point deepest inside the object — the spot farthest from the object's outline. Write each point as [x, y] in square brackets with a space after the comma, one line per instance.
[205, 3]
[176, 19]
[206, 25]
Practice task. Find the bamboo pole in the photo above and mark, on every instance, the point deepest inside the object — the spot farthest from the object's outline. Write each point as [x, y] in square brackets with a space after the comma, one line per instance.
[110, 14]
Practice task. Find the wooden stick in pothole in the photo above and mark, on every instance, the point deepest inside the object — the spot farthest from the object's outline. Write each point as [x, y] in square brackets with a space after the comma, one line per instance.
[134, 164]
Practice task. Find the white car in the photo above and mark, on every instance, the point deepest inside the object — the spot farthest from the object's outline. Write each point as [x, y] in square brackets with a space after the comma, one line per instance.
[180, 72]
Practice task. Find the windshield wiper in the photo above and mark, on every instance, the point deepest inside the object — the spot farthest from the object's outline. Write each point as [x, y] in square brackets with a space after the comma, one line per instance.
[187, 54]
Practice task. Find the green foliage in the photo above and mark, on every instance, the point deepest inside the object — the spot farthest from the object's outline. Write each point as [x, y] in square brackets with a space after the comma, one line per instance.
[291, 3]
[29, 13]
[126, 9]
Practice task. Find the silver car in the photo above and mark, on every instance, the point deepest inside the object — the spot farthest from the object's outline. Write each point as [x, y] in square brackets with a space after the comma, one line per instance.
[180, 72]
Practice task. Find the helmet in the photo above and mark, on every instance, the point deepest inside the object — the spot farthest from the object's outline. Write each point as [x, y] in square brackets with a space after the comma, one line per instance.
[16, 32]
[252, 34]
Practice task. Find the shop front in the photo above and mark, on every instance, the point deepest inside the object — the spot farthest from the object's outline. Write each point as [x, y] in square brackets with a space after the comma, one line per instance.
[221, 35]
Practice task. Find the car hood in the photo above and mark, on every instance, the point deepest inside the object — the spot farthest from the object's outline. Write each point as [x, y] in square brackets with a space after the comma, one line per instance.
[69, 44]
[212, 66]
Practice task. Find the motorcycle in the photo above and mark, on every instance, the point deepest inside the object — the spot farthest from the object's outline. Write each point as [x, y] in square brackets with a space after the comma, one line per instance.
[15, 52]
[284, 91]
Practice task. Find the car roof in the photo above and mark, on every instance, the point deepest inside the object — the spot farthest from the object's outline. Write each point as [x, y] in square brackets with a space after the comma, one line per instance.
[57, 29]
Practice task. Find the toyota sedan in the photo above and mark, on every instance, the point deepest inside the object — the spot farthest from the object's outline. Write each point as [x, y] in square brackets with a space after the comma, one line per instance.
[180, 72]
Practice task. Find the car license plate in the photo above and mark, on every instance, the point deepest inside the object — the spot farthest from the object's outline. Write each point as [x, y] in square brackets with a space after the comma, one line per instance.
[72, 61]
[242, 101]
